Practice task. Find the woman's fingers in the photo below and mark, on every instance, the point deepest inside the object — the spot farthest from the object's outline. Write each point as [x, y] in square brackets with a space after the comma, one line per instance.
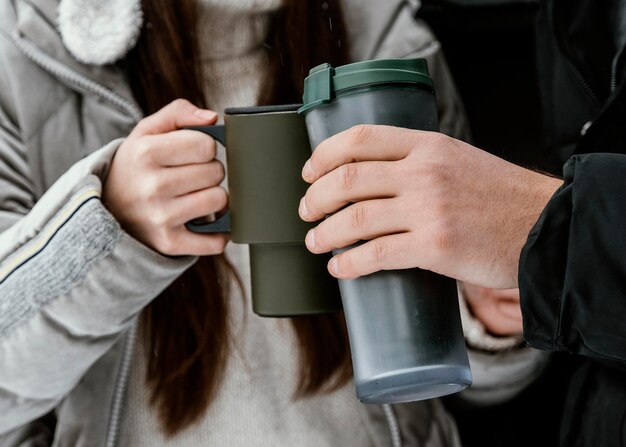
[176, 115]
[198, 204]
[178, 148]
[162, 177]
[196, 177]
[497, 309]
[165, 229]
[181, 241]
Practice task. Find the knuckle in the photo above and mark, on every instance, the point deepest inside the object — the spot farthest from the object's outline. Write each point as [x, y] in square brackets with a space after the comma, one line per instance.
[143, 149]
[358, 215]
[348, 175]
[433, 144]
[152, 188]
[378, 251]
[360, 133]
[216, 244]
[440, 139]
[179, 103]
[210, 147]
[441, 202]
[160, 218]
[345, 264]
[311, 202]
[321, 241]
[220, 198]
[143, 125]
[218, 172]
[440, 175]
[166, 243]
[436, 176]
[443, 238]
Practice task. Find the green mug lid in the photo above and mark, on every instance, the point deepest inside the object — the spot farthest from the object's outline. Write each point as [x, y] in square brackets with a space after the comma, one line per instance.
[324, 82]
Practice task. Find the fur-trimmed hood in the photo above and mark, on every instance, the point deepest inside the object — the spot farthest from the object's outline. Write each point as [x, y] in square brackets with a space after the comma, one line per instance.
[99, 32]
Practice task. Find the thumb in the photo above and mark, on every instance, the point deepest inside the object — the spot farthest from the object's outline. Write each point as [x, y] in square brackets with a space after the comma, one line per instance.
[176, 115]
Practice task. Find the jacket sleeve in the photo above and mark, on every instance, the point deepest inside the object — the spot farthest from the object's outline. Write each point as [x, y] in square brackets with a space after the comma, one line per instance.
[16, 192]
[71, 280]
[572, 273]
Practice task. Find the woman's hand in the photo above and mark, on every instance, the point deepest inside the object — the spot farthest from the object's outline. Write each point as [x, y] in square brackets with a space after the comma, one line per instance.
[497, 309]
[161, 177]
[421, 199]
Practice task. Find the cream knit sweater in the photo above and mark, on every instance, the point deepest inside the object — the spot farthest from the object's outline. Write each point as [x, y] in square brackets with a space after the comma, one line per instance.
[254, 406]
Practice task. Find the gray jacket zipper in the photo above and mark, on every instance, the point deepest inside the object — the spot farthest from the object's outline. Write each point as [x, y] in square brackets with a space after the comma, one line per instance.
[121, 383]
[85, 84]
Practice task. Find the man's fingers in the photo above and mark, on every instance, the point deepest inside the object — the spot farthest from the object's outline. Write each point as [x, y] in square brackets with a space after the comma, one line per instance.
[176, 115]
[349, 183]
[360, 221]
[359, 143]
[391, 252]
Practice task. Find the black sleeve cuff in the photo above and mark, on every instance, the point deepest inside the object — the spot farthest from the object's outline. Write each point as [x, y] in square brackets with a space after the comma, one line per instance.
[572, 274]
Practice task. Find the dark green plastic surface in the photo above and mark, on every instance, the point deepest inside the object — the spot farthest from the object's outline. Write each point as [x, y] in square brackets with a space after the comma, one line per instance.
[265, 154]
[266, 148]
[288, 280]
[324, 83]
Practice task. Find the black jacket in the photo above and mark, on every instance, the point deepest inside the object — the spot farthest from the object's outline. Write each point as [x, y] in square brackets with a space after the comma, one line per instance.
[572, 272]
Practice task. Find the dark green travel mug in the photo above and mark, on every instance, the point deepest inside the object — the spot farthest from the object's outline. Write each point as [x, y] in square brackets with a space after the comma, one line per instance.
[266, 148]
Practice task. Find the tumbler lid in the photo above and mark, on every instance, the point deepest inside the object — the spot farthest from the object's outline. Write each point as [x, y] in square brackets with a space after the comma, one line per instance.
[324, 82]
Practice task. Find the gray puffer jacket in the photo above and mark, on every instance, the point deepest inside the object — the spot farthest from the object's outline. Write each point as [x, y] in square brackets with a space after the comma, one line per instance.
[69, 292]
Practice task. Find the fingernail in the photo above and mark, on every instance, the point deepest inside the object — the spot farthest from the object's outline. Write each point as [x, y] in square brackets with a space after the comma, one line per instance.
[303, 210]
[204, 114]
[307, 170]
[333, 267]
[309, 240]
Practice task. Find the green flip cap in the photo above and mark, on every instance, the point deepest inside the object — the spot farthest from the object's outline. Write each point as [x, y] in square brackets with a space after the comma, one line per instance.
[324, 83]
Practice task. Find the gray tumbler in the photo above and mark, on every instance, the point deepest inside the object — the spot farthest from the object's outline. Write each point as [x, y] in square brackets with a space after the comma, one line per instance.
[404, 326]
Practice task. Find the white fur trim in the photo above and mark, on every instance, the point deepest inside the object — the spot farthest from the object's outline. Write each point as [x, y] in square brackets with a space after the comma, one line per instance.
[100, 32]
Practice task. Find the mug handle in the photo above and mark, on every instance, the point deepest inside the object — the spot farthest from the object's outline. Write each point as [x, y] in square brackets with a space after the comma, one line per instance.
[222, 224]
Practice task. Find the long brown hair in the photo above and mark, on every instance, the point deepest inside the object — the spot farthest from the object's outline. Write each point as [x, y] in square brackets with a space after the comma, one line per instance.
[185, 329]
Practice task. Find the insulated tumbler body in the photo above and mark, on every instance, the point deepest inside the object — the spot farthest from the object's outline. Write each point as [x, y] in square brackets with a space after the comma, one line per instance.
[404, 326]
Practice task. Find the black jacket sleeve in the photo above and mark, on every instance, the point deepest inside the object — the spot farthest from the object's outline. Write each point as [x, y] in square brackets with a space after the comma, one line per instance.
[572, 274]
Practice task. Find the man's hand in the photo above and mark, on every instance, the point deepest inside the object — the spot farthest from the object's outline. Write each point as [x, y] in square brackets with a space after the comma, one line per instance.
[420, 199]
